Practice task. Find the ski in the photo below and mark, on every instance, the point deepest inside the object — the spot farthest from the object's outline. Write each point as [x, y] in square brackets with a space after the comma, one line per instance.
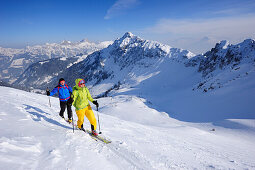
[97, 138]
[92, 136]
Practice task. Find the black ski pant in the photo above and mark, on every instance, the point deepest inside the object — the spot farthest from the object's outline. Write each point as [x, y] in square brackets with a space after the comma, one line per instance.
[63, 105]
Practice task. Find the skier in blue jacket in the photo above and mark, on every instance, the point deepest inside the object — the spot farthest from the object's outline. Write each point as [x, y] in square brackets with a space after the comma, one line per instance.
[64, 93]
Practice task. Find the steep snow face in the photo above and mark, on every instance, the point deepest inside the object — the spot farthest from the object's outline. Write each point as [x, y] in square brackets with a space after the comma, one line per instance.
[226, 63]
[205, 88]
[224, 54]
[129, 58]
[33, 136]
[187, 87]
[128, 61]
[174, 83]
[15, 61]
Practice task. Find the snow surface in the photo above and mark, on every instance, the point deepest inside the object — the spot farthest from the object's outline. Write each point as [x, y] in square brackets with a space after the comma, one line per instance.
[33, 136]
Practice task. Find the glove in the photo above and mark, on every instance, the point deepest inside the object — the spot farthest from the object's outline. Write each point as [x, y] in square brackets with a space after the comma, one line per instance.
[70, 100]
[47, 92]
[95, 103]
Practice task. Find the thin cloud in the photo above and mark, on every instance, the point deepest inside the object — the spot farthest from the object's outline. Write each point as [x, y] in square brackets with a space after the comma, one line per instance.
[234, 29]
[231, 26]
[119, 7]
[237, 8]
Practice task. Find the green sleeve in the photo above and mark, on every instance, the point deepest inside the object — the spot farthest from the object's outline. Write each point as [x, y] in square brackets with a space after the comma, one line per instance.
[89, 96]
[74, 95]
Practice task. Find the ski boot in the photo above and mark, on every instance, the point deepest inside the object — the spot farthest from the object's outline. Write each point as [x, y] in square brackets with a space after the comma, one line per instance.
[62, 116]
[94, 133]
[81, 128]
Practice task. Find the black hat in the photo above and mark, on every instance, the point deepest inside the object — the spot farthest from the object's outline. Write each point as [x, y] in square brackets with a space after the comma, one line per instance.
[61, 79]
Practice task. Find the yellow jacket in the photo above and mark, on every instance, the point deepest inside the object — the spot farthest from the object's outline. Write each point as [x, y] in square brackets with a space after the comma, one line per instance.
[81, 96]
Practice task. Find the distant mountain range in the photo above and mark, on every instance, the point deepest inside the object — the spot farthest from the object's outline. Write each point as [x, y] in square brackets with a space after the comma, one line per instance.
[130, 60]
[15, 61]
[189, 87]
[114, 63]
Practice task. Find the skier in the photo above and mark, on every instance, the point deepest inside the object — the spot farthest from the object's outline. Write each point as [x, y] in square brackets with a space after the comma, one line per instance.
[80, 97]
[65, 99]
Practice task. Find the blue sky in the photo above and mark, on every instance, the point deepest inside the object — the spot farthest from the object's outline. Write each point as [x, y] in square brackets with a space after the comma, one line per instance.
[194, 25]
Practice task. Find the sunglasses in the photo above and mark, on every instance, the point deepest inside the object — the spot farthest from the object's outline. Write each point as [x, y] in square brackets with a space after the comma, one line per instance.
[81, 83]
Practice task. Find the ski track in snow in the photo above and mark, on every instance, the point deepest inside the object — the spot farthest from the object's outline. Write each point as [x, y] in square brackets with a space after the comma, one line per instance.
[33, 136]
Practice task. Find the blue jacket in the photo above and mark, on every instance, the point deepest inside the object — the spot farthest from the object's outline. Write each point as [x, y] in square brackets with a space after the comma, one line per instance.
[63, 92]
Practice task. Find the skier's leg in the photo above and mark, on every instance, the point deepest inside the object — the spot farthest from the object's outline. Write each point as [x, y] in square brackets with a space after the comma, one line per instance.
[80, 115]
[91, 117]
[69, 110]
[62, 109]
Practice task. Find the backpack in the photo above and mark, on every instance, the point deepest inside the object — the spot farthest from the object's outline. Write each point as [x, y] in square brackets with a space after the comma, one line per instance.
[62, 87]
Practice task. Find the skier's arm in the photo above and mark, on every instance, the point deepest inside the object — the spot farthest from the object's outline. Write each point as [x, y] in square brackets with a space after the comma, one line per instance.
[70, 89]
[55, 90]
[89, 96]
[74, 95]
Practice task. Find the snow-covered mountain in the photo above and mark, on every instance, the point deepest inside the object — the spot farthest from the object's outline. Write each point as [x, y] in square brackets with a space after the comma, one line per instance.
[38, 75]
[224, 64]
[15, 61]
[129, 58]
[170, 79]
[128, 61]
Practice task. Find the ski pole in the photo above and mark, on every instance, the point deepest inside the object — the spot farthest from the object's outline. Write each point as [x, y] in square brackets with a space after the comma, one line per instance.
[49, 96]
[72, 122]
[98, 121]
[49, 101]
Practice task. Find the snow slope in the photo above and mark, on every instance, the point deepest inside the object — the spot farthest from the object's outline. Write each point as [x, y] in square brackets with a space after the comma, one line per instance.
[34, 137]
[128, 61]
[171, 90]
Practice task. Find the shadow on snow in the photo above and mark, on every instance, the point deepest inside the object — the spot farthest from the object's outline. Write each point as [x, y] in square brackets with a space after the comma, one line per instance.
[40, 115]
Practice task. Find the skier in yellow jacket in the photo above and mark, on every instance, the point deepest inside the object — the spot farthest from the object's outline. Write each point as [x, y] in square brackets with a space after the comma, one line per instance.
[81, 98]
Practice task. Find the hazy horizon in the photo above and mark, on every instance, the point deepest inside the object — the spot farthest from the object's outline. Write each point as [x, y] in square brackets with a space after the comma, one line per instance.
[195, 26]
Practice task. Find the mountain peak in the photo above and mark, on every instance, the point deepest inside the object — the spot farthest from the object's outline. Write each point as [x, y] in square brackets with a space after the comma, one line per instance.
[66, 42]
[128, 35]
[248, 41]
[222, 44]
[127, 38]
[84, 40]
